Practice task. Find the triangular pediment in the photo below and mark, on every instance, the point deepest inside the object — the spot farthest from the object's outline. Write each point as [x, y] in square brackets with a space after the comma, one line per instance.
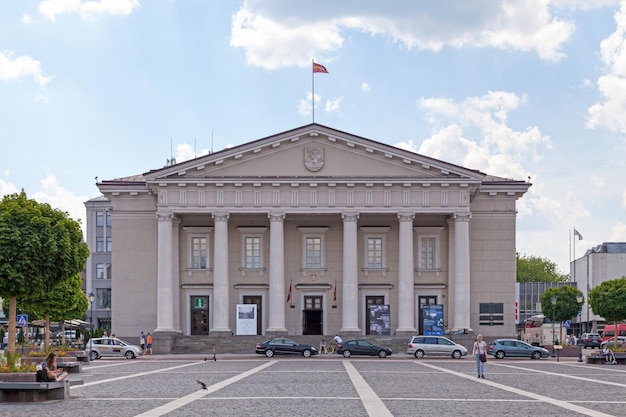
[314, 152]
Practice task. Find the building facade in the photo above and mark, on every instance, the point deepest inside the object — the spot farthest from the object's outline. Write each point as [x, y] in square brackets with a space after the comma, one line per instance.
[603, 262]
[314, 227]
[98, 269]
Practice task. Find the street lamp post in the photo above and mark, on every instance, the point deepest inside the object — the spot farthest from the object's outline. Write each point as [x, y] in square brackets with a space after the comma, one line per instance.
[553, 301]
[91, 300]
[579, 299]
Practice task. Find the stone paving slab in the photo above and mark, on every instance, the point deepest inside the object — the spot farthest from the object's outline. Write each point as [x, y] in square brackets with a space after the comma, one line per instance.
[248, 385]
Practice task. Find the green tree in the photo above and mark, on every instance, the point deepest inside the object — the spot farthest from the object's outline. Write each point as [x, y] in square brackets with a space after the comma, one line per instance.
[537, 269]
[64, 301]
[39, 246]
[609, 301]
[567, 305]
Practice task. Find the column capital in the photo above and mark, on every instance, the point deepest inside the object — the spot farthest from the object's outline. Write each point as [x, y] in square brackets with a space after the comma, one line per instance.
[406, 217]
[276, 217]
[350, 217]
[220, 217]
[462, 217]
[165, 216]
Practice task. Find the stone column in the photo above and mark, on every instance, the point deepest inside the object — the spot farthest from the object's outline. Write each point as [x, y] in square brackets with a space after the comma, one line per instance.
[461, 272]
[221, 307]
[406, 282]
[350, 290]
[165, 273]
[449, 313]
[277, 274]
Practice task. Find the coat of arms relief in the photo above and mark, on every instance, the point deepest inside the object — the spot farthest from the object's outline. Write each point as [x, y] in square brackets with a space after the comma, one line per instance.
[314, 158]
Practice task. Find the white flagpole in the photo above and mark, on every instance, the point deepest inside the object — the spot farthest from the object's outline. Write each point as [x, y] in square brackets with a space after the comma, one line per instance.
[313, 89]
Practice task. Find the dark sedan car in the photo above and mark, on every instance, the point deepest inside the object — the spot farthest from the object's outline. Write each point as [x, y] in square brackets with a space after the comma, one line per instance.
[361, 347]
[591, 340]
[515, 348]
[280, 346]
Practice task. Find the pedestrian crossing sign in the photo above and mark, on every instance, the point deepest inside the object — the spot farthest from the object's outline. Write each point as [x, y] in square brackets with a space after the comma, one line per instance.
[22, 320]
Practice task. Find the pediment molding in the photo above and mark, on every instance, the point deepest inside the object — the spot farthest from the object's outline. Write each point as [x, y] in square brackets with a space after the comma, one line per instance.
[299, 144]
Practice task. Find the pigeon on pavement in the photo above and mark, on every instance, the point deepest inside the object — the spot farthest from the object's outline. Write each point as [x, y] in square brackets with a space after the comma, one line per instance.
[202, 384]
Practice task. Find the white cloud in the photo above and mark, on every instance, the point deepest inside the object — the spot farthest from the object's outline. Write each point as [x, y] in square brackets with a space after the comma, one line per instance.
[499, 148]
[276, 33]
[27, 19]
[612, 85]
[7, 188]
[14, 68]
[60, 198]
[185, 152]
[365, 87]
[332, 106]
[87, 9]
[624, 199]
[305, 105]
[618, 233]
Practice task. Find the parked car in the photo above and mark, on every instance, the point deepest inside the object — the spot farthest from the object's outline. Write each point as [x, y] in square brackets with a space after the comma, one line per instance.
[621, 342]
[111, 346]
[280, 345]
[591, 340]
[69, 335]
[362, 347]
[515, 348]
[421, 346]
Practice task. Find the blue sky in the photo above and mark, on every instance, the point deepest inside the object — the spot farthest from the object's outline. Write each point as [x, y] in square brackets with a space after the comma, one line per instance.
[518, 89]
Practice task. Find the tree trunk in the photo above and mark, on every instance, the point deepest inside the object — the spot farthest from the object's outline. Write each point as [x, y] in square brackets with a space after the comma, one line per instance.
[12, 323]
[47, 339]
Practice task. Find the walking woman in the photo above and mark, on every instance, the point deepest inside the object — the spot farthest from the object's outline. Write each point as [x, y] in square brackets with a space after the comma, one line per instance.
[480, 354]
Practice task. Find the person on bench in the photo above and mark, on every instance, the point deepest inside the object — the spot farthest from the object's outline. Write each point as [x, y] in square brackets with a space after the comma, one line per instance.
[50, 368]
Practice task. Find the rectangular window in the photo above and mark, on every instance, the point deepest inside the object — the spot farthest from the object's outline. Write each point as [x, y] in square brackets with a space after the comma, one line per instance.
[253, 252]
[99, 271]
[199, 252]
[491, 314]
[109, 244]
[427, 253]
[99, 218]
[375, 252]
[99, 244]
[428, 248]
[103, 298]
[313, 252]
[108, 271]
[108, 214]
[374, 247]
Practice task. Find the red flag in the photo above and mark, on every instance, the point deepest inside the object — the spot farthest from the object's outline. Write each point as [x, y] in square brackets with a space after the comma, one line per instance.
[335, 292]
[289, 294]
[319, 68]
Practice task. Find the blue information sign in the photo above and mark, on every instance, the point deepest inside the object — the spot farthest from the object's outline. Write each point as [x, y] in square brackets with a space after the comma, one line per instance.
[22, 320]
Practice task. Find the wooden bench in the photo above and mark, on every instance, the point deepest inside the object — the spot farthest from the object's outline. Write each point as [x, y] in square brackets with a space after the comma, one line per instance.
[36, 391]
[71, 367]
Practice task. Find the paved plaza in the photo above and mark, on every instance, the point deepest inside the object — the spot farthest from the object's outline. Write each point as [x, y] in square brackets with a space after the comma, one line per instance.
[328, 385]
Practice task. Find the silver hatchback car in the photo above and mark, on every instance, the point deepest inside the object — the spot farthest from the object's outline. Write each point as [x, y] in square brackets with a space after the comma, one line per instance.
[111, 346]
[421, 346]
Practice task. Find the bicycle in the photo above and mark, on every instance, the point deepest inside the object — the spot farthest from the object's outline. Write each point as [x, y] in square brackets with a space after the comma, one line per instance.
[330, 349]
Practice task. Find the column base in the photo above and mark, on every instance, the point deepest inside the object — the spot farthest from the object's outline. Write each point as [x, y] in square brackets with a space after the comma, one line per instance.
[276, 332]
[405, 332]
[163, 340]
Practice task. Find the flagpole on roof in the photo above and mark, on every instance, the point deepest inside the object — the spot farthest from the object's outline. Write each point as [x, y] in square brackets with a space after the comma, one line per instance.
[313, 88]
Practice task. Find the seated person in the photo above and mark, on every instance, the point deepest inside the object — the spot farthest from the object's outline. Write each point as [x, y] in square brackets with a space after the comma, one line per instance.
[608, 355]
[50, 368]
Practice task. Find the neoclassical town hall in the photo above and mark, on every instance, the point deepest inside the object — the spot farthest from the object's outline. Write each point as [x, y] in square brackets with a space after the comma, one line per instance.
[310, 231]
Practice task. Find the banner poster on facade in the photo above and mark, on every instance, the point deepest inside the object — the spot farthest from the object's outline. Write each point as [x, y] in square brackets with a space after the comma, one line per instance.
[380, 319]
[432, 317]
[246, 319]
